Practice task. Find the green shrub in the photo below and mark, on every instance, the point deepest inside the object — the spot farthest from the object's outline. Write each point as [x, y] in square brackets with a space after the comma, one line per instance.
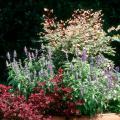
[97, 85]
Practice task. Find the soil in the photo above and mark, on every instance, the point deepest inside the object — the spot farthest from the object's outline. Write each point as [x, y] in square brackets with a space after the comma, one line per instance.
[108, 116]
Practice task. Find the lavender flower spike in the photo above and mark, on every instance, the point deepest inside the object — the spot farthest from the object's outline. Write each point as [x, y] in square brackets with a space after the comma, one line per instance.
[117, 69]
[15, 54]
[25, 49]
[84, 55]
[8, 55]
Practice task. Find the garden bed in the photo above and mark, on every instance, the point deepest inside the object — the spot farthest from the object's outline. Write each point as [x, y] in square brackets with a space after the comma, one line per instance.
[108, 116]
[84, 86]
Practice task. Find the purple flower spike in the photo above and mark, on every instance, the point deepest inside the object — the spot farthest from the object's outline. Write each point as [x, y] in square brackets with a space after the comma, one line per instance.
[84, 55]
[110, 82]
[50, 67]
[25, 50]
[117, 69]
[8, 55]
[15, 54]
[109, 79]
[32, 55]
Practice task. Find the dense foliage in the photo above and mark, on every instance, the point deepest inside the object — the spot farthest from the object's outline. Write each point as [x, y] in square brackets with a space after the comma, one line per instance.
[25, 75]
[83, 30]
[86, 86]
[40, 103]
[64, 70]
[16, 108]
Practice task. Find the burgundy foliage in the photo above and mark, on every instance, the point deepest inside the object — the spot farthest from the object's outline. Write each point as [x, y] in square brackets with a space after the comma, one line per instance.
[58, 101]
[39, 103]
[16, 107]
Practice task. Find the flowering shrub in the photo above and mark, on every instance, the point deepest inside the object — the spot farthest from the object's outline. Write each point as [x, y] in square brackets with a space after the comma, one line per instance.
[25, 75]
[83, 88]
[83, 29]
[94, 82]
[87, 86]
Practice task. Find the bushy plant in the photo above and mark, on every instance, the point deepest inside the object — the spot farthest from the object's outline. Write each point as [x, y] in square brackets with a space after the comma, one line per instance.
[87, 86]
[25, 75]
[13, 107]
[83, 29]
[58, 97]
[96, 83]
[50, 101]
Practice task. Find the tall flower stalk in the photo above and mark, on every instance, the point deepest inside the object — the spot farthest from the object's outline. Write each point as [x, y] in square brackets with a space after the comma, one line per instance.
[24, 75]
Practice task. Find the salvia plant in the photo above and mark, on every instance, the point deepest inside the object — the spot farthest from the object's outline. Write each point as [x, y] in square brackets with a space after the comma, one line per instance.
[25, 74]
[93, 81]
